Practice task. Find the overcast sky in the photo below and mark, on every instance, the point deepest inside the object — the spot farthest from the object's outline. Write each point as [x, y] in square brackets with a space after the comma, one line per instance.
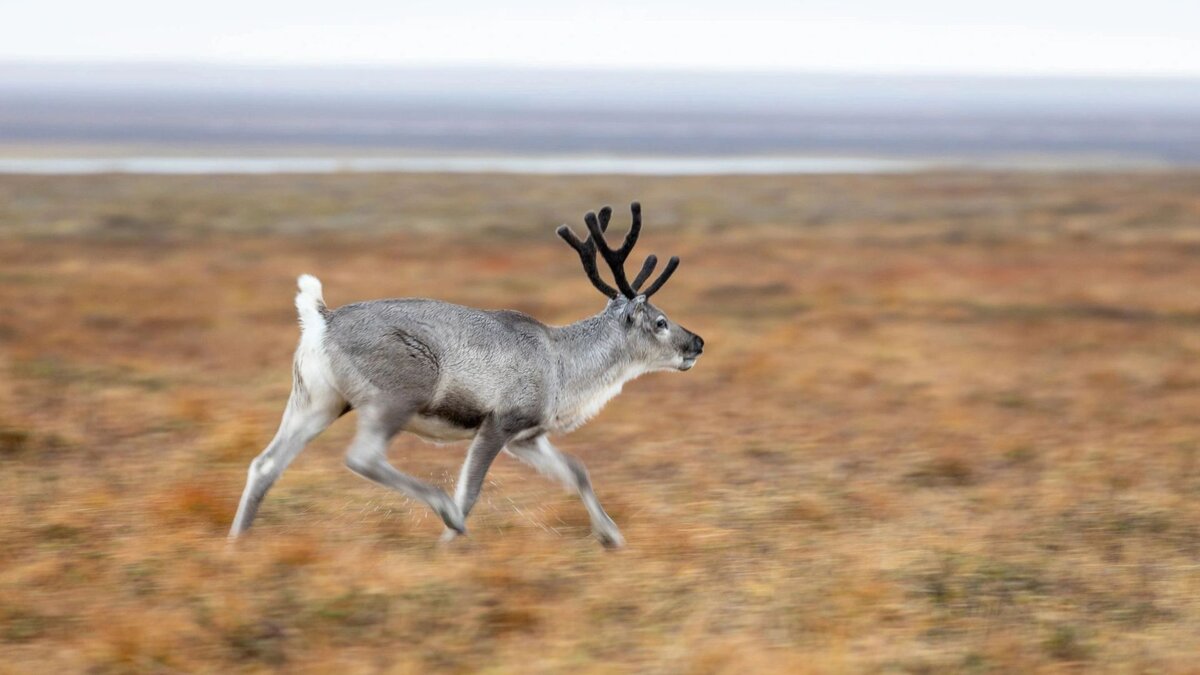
[1152, 37]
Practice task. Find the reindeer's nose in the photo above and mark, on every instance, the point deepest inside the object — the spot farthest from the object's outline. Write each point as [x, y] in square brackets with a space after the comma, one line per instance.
[697, 344]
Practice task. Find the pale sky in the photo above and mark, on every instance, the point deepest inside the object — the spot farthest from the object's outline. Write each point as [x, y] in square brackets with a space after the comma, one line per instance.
[1019, 37]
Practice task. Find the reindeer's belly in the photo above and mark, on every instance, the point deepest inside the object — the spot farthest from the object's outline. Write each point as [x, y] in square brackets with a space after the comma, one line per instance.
[438, 429]
[455, 416]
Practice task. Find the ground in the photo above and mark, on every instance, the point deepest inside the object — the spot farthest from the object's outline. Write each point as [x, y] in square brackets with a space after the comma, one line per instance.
[944, 422]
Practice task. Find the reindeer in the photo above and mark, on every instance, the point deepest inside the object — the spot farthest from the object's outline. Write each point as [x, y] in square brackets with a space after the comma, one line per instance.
[446, 372]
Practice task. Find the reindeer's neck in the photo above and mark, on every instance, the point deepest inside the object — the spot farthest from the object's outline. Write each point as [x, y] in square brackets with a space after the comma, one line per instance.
[592, 363]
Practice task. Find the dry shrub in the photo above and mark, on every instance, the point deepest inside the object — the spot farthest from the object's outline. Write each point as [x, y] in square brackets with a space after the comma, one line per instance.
[512, 602]
[292, 550]
[130, 640]
[1064, 643]
[20, 624]
[951, 467]
[807, 509]
[202, 501]
[13, 441]
[876, 502]
[237, 441]
[192, 408]
[263, 642]
[710, 655]
[503, 618]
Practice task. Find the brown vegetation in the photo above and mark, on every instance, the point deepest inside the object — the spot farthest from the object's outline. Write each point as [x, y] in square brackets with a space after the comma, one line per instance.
[944, 422]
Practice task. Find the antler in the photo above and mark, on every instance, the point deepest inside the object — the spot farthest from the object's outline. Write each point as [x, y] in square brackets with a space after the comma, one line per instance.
[616, 258]
[587, 255]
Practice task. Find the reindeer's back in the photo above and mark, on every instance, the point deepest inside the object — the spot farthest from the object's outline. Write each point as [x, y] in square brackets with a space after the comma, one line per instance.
[461, 361]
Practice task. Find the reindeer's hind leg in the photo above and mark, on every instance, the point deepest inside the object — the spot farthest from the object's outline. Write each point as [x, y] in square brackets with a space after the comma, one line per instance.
[315, 403]
[313, 406]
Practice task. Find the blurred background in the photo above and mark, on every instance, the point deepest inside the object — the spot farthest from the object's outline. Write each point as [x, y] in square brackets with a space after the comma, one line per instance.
[633, 87]
[943, 258]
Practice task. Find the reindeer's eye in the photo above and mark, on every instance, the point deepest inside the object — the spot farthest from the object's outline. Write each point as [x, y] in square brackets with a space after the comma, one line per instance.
[660, 323]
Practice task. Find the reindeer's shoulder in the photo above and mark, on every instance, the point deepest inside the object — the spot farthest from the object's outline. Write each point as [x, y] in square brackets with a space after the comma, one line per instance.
[512, 317]
[519, 323]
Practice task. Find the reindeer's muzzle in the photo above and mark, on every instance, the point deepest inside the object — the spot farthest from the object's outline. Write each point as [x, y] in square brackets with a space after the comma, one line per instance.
[694, 349]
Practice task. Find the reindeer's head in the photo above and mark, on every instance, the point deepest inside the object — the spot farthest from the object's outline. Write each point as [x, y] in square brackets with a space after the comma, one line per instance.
[652, 337]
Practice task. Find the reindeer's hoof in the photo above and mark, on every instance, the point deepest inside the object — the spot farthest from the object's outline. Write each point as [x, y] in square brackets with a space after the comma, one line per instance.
[610, 539]
[451, 515]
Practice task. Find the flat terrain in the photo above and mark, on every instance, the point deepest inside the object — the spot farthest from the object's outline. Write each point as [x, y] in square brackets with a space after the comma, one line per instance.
[943, 423]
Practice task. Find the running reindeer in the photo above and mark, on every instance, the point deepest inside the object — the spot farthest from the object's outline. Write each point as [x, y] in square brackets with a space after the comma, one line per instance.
[446, 372]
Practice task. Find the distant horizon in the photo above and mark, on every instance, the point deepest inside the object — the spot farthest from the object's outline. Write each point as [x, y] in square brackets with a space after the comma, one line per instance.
[517, 67]
[494, 110]
[605, 88]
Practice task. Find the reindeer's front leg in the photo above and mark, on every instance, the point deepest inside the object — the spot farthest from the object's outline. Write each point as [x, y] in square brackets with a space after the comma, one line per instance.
[568, 470]
[488, 443]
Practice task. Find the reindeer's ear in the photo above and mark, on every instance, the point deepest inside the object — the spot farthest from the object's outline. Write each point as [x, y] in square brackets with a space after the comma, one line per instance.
[634, 307]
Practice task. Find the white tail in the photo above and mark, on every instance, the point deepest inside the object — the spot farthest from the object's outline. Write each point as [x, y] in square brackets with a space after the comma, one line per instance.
[310, 303]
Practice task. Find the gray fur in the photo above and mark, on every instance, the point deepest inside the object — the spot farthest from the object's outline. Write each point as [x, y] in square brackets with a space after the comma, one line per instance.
[447, 372]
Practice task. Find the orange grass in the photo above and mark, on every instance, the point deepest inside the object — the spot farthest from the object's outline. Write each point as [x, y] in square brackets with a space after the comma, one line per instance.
[943, 423]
